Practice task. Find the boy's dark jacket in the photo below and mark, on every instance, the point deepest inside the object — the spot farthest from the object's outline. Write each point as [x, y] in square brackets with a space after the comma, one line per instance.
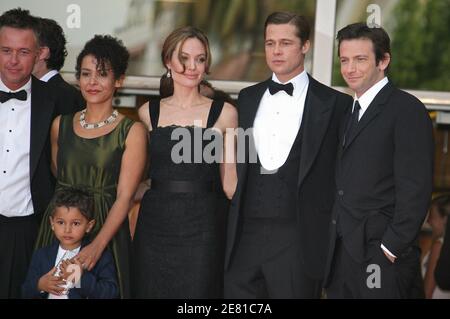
[99, 283]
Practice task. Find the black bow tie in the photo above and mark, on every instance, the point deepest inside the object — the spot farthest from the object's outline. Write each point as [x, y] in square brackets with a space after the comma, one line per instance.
[274, 87]
[5, 96]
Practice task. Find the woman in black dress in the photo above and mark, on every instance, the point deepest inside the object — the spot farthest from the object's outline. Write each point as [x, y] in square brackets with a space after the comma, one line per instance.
[179, 238]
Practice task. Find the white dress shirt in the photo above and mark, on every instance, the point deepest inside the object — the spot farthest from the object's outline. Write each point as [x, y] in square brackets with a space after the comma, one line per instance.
[63, 254]
[277, 122]
[364, 101]
[47, 76]
[368, 96]
[15, 189]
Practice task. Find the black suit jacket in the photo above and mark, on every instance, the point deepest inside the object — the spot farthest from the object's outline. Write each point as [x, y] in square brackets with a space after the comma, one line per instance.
[99, 283]
[323, 115]
[384, 177]
[45, 106]
[68, 93]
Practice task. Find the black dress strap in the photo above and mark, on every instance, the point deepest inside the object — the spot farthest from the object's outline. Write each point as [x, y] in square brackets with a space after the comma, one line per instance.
[153, 110]
[214, 112]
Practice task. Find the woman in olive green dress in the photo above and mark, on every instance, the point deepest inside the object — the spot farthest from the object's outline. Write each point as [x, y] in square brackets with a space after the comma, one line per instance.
[102, 151]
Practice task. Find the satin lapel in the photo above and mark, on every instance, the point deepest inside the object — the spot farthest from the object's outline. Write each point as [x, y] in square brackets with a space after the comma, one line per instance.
[247, 116]
[317, 114]
[42, 109]
[249, 110]
[372, 111]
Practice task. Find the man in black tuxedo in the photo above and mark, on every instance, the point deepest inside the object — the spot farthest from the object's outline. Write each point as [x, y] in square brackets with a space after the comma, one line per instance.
[383, 176]
[53, 46]
[279, 216]
[27, 108]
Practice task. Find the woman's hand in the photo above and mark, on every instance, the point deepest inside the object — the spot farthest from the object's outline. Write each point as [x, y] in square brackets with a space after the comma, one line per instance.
[89, 255]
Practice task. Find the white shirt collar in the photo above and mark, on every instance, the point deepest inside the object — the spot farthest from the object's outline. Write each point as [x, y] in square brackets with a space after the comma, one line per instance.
[299, 81]
[66, 254]
[47, 76]
[26, 87]
[368, 96]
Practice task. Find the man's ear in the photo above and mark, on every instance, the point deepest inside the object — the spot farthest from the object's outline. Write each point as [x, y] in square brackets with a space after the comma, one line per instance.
[44, 53]
[306, 46]
[383, 64]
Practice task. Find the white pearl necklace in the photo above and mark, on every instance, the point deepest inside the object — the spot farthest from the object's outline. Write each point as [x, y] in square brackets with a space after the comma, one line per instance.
[91, 126]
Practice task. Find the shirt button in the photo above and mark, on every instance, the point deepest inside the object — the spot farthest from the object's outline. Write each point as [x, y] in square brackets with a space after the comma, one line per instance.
[278, 113]
[341, 192]
[10, 131]
[4, 172]
[333, 221]
[7, 151]
[12, 109]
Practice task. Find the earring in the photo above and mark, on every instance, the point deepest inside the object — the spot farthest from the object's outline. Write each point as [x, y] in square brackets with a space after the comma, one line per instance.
[53, 228]
[169, 75]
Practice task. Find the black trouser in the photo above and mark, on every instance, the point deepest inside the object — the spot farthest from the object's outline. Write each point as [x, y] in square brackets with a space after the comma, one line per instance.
[17, 238]
[266, 263]
[376, 278]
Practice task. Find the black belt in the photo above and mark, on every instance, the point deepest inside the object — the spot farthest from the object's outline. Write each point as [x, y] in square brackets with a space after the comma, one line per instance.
[183, 186]
[16, 219]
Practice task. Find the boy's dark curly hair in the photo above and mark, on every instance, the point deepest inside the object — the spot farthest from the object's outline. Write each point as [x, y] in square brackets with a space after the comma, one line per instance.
[51, 35]
[109, 52]
[76, 198]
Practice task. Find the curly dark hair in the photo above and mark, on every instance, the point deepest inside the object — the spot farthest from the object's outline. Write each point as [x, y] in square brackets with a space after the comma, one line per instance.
[76, 198]
[20, 19]
[109, 52]
[51, 35]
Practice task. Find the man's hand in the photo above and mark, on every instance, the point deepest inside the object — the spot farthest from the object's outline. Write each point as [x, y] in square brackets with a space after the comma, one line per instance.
[391, 258]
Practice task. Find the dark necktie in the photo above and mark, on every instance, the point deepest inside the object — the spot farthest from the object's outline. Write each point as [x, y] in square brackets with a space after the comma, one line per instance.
[351, 124]
[6, 96]
[275, 87]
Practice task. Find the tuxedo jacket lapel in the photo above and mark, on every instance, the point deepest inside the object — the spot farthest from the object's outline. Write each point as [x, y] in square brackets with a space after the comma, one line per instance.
[247, 117]
[371, 113]
[316, 116]
[251, 108]
[42, 109]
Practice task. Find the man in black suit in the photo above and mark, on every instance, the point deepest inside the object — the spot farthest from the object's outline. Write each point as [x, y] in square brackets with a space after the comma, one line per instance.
[52, 43]
[27, 108]
[383, 176]
[279, 216]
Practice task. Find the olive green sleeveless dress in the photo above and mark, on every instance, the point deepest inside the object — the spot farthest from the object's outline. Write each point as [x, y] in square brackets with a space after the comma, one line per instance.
[94, 164]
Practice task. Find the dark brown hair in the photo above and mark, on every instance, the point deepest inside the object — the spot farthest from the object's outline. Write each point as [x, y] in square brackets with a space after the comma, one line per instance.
[175, 40]
[378, 36]
[76, 198]
[300, 22]
[108, 51]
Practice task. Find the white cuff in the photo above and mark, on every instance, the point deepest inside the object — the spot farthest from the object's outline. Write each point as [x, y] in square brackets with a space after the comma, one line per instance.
[388, 252]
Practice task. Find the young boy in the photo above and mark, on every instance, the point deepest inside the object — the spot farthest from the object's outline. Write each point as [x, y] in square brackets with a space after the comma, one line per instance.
[55, 272]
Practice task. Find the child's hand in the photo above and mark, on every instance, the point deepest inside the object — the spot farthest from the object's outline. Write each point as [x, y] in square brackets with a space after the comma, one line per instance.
[50, 283]
[71, 269]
